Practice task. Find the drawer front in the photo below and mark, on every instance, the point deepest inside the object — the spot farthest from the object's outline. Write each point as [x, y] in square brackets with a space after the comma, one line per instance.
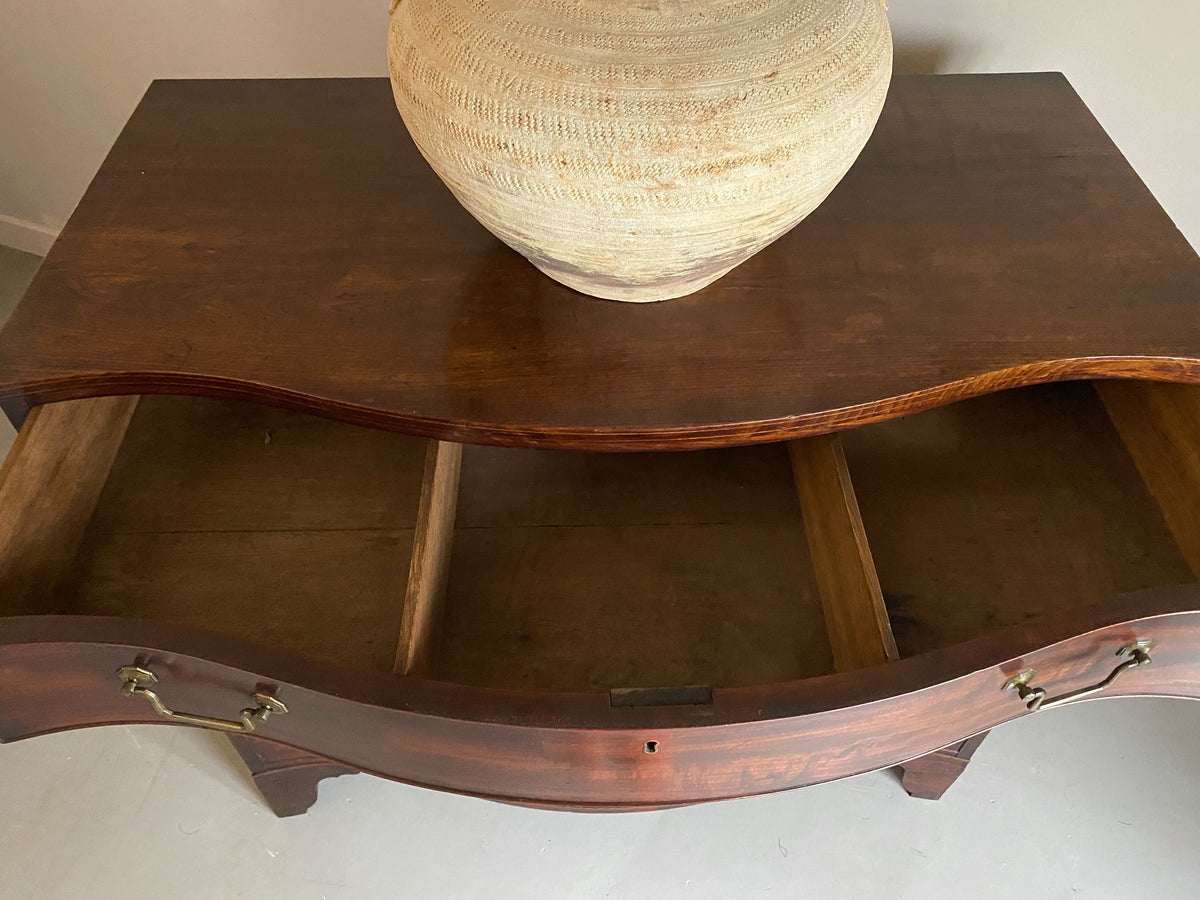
[580, 750]
[312, 566]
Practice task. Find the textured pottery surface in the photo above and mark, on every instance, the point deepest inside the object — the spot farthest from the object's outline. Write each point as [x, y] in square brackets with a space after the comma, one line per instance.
[640, 149]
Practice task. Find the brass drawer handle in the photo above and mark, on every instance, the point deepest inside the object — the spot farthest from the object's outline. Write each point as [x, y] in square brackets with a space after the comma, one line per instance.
[135, 682]
[1135, 654]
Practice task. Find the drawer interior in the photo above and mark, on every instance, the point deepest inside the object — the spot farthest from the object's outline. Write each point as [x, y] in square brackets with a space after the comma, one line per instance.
[602, 571]
[563, 570]
[285, 529]
[996, 510]
[574, 571]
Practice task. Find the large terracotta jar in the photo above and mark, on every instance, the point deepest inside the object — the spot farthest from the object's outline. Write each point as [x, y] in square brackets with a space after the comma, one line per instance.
[640, 149]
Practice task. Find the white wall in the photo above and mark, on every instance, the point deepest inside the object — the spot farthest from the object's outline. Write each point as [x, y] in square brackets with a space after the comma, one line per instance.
[71, 72]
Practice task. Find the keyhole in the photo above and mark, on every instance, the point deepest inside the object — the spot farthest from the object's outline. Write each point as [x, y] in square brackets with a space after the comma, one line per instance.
[651, 747]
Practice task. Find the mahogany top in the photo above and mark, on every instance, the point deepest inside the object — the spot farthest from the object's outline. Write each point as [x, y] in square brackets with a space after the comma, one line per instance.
[284, 241]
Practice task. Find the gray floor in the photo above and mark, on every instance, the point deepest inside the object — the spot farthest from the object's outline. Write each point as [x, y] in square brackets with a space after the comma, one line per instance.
[1098, 799]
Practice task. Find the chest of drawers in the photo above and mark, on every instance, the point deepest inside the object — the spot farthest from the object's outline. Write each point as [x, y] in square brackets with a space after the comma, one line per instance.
[309, 457]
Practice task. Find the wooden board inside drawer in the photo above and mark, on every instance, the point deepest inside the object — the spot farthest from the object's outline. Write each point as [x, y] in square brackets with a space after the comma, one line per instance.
[289, 530]
[995, 510]
[595, 571]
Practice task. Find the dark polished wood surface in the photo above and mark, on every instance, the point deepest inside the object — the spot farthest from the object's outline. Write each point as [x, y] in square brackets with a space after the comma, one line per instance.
[286, 778]
[579, 750]
[283, 241]
[929, 777]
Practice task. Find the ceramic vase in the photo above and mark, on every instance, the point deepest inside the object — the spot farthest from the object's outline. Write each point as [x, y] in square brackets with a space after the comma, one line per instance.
[639, 149]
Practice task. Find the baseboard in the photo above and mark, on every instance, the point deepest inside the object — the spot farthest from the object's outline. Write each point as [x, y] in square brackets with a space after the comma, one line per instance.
[27, 236]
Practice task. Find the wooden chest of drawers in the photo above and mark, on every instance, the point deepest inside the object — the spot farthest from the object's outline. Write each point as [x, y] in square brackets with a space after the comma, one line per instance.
[344, 486]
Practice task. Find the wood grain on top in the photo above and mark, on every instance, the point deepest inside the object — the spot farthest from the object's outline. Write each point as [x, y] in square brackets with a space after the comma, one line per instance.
[284, 241]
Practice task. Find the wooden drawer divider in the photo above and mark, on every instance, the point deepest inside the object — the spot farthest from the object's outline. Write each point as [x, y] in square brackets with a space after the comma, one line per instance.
[49, 486]
[860, 632]
[430, 564]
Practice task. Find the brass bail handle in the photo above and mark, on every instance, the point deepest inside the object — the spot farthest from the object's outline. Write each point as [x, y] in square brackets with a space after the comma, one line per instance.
[1134, 655]
[136, 681]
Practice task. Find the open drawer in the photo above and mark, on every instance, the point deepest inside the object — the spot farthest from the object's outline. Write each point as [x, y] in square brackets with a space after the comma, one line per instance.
[599, 630]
